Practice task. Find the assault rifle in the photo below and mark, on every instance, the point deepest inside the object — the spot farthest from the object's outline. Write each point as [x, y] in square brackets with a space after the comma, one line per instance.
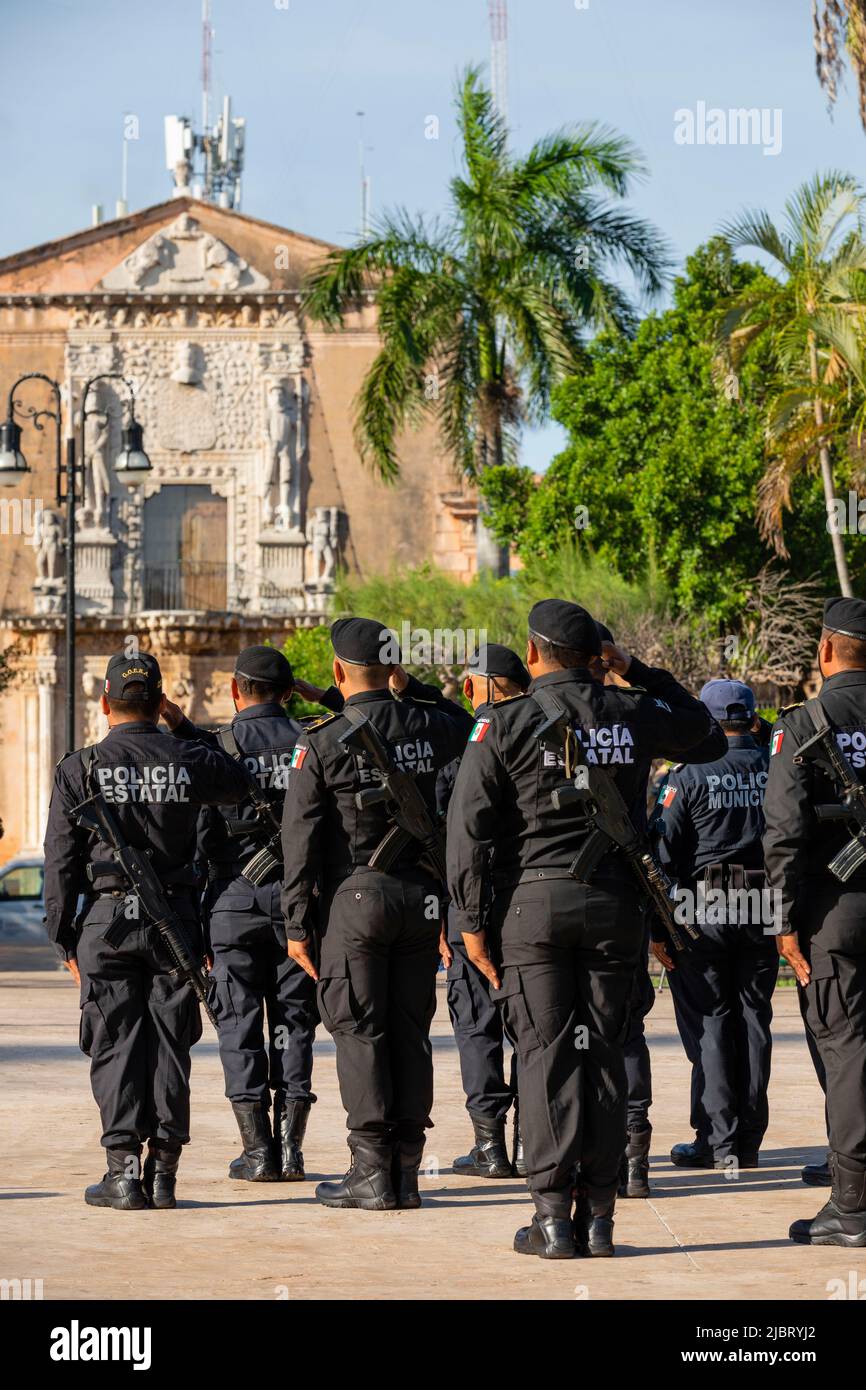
[398, 788]
[822, 746]
[595, 790]
[96, 815]
[261, 866]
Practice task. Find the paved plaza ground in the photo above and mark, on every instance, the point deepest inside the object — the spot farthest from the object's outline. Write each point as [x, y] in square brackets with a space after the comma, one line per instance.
[699, 1236]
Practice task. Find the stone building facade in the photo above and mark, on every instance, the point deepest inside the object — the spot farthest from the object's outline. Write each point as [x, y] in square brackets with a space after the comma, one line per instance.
[256, 494]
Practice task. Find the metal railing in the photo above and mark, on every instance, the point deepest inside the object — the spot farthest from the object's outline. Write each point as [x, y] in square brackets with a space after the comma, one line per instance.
[198, 585]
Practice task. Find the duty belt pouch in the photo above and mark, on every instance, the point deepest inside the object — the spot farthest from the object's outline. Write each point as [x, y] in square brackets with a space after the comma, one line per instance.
[714, 876]
[756, 878]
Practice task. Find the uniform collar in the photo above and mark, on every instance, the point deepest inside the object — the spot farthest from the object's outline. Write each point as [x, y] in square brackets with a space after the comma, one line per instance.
[269, 709]
[842, 678]
[742, 741]
[574, 675]
[365, 696]
[134, 726]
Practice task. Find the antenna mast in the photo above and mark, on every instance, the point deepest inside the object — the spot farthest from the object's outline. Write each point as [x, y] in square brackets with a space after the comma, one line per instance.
[209, 164]
[365, 178]
[498, 11]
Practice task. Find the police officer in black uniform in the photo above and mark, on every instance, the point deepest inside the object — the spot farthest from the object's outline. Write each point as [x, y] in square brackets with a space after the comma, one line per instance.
[494, 674]
[138, 1021]
[710, 822]
[823, 919]
[380, 930]
[253, 978]
[568, 949]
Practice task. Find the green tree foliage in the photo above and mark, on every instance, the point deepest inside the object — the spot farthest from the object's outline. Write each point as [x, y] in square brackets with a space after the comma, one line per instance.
[482, 313]
[664, 458]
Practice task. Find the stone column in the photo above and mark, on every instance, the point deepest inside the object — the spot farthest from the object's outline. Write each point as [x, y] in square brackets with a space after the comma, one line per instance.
[46, 677]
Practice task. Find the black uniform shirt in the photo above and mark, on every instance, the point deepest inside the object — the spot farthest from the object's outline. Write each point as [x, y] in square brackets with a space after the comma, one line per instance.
[798, 846]
[325, 834]
[713, 813]
[265, 737]
[501, 799]
[155, 785]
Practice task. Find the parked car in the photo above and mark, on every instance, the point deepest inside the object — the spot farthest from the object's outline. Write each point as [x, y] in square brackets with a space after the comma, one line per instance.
[21, 901]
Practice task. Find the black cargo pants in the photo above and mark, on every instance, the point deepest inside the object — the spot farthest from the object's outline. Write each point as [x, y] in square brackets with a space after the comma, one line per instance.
[137, 1026]
[254, 983]
[377, 997]
[569, 954]
[638, 1070]
[833, 1005]
[478, 1032]
[722, 990]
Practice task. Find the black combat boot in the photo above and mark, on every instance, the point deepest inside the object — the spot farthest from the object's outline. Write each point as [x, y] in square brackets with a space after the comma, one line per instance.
[817, 1174]
[593, 1225]
[489, 1155]
[257, 1162]
[518, 1161]
[843, 1220]
[160, 1172]
[290, 1124]
[368, 1183]
[550, 1235]
[634, 1166]
[404, 1172]
[121, 1186]
[695, 1155]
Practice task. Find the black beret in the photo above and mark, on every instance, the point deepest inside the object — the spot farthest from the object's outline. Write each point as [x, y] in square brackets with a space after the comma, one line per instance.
[266, 664]
[846, 615]
[604, 632]
[363, 642]
[124, 671]
[492, 659]
[566, 625]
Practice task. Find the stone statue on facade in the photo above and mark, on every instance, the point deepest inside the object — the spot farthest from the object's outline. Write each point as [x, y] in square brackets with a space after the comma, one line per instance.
[48, 540]
[97, 436]
[285, 446]
[324, 538]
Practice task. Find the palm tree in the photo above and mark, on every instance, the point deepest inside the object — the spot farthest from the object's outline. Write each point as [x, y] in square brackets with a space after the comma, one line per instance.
[480, 314]
[840, 26]
[809, 313]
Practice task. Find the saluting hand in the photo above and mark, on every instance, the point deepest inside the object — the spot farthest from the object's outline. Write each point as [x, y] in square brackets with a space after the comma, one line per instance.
[616, 659]
[398, 680]
[305, 691]
[299, 952]
[476, 950]
[171, 713]
[789, 950]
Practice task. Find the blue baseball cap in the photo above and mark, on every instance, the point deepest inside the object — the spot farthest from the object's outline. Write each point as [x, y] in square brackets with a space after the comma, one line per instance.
[728, 699]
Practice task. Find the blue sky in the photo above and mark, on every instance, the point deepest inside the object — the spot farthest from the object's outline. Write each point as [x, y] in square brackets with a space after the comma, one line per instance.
[299, 70]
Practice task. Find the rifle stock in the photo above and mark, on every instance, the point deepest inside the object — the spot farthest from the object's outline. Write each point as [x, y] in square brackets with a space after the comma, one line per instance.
[95, 814]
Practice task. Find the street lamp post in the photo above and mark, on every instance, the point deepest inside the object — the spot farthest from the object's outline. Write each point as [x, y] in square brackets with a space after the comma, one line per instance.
[132, 465]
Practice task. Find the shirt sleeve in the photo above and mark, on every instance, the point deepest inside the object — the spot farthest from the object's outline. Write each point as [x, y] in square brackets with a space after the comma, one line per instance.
[673, 721]
[674, 827]
[65, 852]
[473, 816]
[303, 825]
[186, 729]
[789, 825]
[221, 780]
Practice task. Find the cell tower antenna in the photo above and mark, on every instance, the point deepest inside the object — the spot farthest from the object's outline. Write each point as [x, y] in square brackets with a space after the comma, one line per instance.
[498, 11]
[207, 164]
[365, 178]
[206, 62]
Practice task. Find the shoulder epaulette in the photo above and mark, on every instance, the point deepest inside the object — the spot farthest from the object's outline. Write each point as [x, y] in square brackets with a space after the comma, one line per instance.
[629, 689]
[786, 709]
[320, 723]
[677, 767]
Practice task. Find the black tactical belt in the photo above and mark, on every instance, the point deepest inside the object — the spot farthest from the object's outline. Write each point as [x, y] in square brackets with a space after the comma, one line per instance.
[553, 871]
[727, 875]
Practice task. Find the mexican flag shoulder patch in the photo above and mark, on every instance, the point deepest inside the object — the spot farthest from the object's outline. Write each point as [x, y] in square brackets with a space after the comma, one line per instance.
[668, 794]
[776, 742]
[479, 730]
[298, 754]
